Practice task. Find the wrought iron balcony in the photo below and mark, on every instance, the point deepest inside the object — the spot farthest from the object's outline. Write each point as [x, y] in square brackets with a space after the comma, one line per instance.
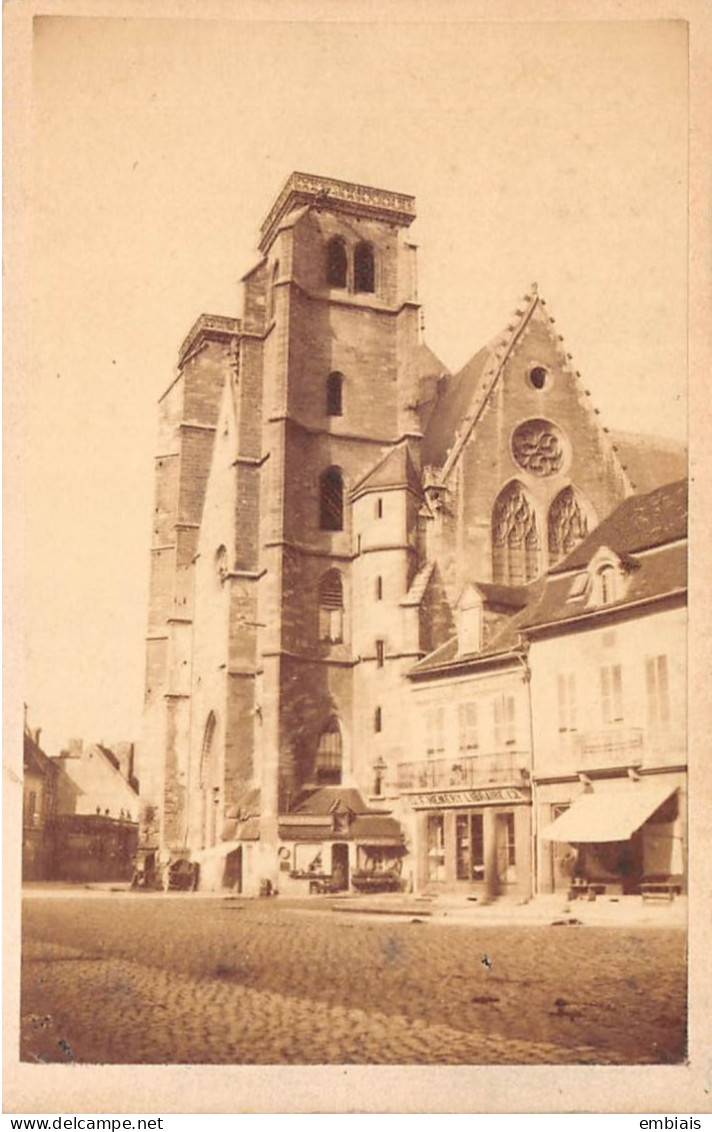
[501, 767]
[616, 746]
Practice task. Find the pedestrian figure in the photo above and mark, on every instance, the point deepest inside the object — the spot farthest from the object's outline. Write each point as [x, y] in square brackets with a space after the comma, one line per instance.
[486, 961]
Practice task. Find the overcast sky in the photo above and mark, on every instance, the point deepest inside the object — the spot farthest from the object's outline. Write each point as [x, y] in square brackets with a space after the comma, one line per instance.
[549, 152]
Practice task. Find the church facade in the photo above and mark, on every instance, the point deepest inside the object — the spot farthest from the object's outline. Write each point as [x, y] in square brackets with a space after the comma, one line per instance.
[332, 506]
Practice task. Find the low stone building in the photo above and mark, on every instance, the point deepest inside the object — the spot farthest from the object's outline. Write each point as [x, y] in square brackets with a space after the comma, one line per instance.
[80, 820]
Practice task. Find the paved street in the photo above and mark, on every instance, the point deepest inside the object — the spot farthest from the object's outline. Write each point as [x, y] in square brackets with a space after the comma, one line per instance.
[122, 978]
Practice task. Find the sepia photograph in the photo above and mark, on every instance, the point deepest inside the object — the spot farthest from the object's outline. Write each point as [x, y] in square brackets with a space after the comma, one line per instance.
[353, 434]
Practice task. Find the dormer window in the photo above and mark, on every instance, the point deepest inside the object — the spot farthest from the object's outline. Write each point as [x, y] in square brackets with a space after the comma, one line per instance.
[607, 577]
[606, 580]
[336, 263]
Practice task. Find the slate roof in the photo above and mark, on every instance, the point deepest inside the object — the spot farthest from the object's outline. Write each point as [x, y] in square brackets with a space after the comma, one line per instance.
[647, 532]
[419, 585]
[640, 522]
[450, 409]
[395, 469]
[657, 573]
[504, 597]
[650, 461]
[324, 799]
[372, 828]
[502, 643]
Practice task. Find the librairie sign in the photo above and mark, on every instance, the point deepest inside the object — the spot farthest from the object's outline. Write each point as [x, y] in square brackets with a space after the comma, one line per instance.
[486, 796]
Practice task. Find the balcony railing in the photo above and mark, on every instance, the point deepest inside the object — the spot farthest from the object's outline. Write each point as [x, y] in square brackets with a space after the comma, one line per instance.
[626, 746]
[501, 767]
[617, 746]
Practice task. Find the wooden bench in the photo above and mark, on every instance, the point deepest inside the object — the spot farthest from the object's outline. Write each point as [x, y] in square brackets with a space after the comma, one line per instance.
[318, 886]
[376, 882]
[659, 890]
[586, 889]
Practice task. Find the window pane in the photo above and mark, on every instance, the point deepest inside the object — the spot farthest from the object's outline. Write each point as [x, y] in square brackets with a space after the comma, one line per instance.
[336, 264]
[364, 269]
[334, 386]
[332, 501]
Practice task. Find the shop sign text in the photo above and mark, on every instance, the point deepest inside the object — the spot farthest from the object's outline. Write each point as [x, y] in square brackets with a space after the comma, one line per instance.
[478, 797]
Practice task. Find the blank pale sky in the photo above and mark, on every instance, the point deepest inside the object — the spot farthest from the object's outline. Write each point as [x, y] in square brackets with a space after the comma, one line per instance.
[553, 152]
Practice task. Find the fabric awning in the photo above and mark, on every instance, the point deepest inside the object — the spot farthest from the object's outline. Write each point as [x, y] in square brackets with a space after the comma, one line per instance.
[610, 815]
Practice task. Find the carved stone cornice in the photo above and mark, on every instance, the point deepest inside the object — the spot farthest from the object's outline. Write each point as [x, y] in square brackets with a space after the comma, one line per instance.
[209, 326]
[339, 196]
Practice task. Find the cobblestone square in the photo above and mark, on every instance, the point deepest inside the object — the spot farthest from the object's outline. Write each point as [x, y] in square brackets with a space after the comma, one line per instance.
[121, 978]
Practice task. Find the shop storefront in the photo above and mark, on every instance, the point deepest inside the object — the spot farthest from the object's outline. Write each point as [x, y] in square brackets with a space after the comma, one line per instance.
[333, 842]
[614, 835]
[476, 841]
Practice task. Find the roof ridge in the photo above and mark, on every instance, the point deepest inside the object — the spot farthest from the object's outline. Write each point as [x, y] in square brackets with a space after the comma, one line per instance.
[410, 476]
[499, 348]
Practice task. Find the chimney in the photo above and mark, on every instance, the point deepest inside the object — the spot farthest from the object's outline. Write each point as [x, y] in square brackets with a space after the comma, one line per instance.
[75, 748]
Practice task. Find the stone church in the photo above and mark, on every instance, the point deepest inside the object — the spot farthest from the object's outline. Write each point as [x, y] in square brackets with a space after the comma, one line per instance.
[328, 497]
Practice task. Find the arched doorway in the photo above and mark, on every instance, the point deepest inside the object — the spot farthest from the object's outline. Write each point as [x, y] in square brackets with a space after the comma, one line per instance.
[232, 876]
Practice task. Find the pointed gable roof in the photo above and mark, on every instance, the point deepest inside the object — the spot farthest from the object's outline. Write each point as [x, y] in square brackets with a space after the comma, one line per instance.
[455, 414]
[395, 469]
[457, 411]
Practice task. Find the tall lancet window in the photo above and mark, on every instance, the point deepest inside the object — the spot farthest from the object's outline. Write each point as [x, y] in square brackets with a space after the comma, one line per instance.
[364, 269]
[334, 395]
[568, 525]
[331, 608]
[515, 540]
[329, 754]
[209, 784]
[331, 500]
[336, 263]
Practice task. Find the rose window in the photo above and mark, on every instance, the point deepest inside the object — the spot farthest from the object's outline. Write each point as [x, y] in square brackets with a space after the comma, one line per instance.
[538, 448]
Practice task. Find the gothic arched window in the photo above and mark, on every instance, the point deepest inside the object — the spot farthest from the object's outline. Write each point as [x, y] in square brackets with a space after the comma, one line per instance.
[209, 784]
[331, 607]
[515, 540]
[334, 394]
[336, 263]
[331, 500]
[364, 268]
[568, 525]
[329, 754]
